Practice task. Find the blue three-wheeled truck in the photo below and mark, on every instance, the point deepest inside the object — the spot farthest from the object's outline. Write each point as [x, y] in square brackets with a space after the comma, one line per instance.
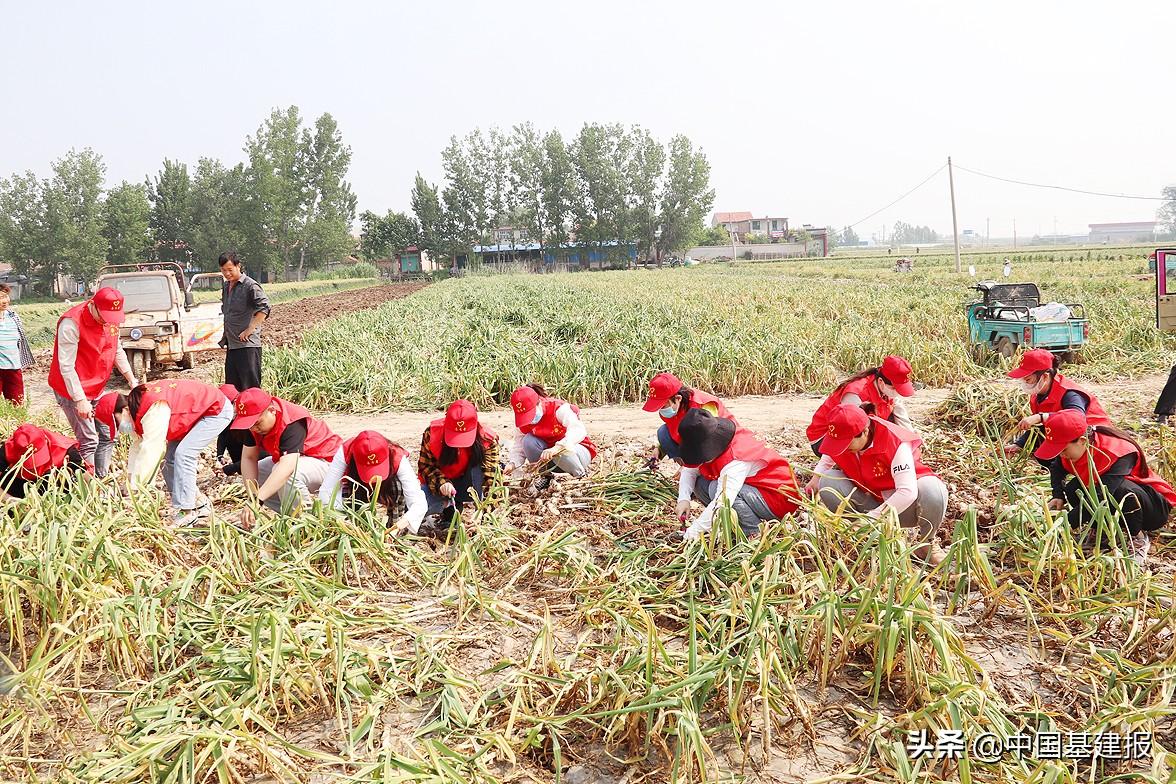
[1009, 316]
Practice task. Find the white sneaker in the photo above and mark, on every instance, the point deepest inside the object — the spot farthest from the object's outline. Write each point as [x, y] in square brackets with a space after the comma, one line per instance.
[1139, 545]
[189, 518]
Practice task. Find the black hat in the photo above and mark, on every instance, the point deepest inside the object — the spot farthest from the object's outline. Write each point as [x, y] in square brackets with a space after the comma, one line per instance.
[704, 436]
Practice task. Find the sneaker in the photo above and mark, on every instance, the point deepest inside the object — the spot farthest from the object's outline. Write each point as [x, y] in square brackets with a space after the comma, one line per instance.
[936, 554]
[1139, 546]
[231, 469]
[190, 518]
[539, 484]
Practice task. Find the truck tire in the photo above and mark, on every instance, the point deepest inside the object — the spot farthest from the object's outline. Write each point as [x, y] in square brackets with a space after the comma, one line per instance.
[140, 364]
[1006, 348]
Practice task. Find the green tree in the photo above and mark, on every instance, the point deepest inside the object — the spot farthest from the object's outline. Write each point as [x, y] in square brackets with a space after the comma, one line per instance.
[127, 228]
[330, 204]
[849, 236]
[464, 195]
[686, 198]
[219, 212]
[526, 168]
[602, 190]
[1167, 213]
[714, 236]
[276, 191]
[435, 237]
[73, 209]
[24, 231]
[381, 236]
[646, 168]
[558, 188]
[170, 195]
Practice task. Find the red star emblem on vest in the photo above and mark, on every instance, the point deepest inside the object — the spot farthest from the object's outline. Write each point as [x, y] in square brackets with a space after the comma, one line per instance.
[173, 385]
[559, 431]
[879, 471]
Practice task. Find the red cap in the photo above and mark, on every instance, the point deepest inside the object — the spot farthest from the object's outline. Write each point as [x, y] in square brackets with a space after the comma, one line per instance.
[1033, 361]
[847, 423]
[898, 372]
[104, 412]
[29, 440]
[249, 405]
[109, 302]
[662, 387]
[524, 401]
[1061, 428]
[461, 424]
[229, 391]
[371, 454]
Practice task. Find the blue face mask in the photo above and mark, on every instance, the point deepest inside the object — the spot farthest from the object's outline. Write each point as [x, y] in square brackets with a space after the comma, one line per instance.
[538, 414]
[668, 412]
[126, 427]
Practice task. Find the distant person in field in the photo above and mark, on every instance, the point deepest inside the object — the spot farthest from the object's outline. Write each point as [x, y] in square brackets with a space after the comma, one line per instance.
[371, 464]
[28, 457]
[1008, 268]
[872, 466]
[85, 352]
[884, 387]
[301, 451]
[245, 308]
[724, 463]
[459, 460]
[170, 421]
[1110, 469]
[1049, 393]
[551, 435]
[15, 354]
[672, 400]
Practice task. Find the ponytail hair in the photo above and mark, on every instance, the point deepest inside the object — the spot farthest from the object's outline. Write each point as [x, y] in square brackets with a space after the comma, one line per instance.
[1114, 432]
[134, 400]
[686, 393]
[539, 390]
[871, 372]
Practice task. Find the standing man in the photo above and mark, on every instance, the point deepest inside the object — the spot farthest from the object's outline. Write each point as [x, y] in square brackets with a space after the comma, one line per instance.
[85, 351]
[245, 307]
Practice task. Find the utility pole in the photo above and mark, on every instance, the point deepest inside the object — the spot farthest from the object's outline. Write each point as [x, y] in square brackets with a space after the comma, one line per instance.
[1014, 233]
[955, 228]
[987, 231]
[734, 255]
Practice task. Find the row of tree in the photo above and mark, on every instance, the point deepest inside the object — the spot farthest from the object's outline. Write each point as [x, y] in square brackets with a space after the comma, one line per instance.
[288, 206]
[608, 187]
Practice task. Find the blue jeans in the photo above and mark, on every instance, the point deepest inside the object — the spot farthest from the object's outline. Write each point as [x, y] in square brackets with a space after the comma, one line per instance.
[748, 505]
[471, 480]
[574, 462]
[669, 447]
[180, 460]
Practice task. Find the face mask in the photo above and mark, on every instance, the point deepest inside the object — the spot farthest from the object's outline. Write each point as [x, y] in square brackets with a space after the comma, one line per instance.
[538, 415]
[668, 412]
[1029, 388]
[126, 427]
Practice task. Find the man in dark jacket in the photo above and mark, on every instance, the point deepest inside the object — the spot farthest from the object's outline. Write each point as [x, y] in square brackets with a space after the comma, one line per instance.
[245, 307]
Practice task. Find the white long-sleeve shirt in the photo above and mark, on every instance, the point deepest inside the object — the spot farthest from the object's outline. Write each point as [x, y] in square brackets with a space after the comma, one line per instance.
[416, 505]
[906, 481]
[900, 416]
[68, 337]
[574, 433]
[147, 451]
[731, 479]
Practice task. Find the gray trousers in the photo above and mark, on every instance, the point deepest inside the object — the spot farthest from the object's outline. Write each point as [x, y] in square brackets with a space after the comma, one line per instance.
[748, 505]
[94, 440]
[574, 462]
[302, 486]
[179, 462]
[926, 513]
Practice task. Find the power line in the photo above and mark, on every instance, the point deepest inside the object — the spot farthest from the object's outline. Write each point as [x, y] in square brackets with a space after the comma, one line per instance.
[1060, 187]
[900, 198]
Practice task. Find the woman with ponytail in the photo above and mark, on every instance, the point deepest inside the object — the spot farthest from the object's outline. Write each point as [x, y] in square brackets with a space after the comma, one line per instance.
[550, 434]
[1050, 392]
[883, 387]
[1107, 465]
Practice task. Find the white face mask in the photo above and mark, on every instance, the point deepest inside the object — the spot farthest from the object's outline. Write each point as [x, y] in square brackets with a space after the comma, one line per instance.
[1028, 387]
[126, 426]
[538, 414]
[668, 412]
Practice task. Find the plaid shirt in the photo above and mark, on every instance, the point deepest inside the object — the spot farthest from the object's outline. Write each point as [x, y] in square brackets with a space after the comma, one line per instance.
[26, 353]
[429, 465]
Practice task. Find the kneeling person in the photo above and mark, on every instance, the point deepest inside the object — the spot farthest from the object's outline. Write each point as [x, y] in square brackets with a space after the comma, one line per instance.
[301, 450]
[873, 466]
[723, 462]
[459, 458]
[370, 462]
[28, 456]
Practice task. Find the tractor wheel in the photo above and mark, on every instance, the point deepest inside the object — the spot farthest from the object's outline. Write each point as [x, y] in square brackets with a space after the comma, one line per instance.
[1072, 357]
[1006, 348]
[140, 364]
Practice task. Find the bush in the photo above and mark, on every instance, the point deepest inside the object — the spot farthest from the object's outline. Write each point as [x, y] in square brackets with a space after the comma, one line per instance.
[361, 270]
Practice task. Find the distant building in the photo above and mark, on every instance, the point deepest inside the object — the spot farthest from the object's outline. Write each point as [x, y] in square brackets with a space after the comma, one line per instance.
[1131, 231]
[742, 224]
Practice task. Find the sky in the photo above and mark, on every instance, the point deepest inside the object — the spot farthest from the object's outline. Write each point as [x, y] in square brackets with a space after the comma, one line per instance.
[819, 112]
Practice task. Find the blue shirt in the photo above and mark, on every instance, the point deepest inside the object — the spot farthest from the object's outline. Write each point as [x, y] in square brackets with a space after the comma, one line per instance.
[9, 342]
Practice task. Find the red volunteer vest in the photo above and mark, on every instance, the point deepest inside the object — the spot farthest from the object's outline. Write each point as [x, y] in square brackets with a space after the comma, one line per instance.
[97, 346]
[1103, 452]
[549, 430]
[870, 468]
[865, 389]
[320, 442]
[59, 445]
[775, 481]
[697, 400]
[1095, 415]
[189, 401]
[459, 466]
[398, 455]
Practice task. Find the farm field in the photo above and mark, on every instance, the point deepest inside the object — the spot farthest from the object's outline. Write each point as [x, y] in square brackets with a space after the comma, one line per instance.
[573, 637]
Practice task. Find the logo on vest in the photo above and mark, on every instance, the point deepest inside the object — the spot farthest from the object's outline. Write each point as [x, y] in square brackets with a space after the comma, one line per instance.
[879, 471]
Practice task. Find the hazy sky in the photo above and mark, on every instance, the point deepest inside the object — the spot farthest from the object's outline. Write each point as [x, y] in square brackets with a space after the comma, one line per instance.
[820, 112]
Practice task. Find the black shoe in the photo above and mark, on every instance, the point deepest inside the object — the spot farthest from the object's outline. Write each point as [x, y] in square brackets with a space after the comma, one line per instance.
[1162, 419]
[231, 469]
[539, 484]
